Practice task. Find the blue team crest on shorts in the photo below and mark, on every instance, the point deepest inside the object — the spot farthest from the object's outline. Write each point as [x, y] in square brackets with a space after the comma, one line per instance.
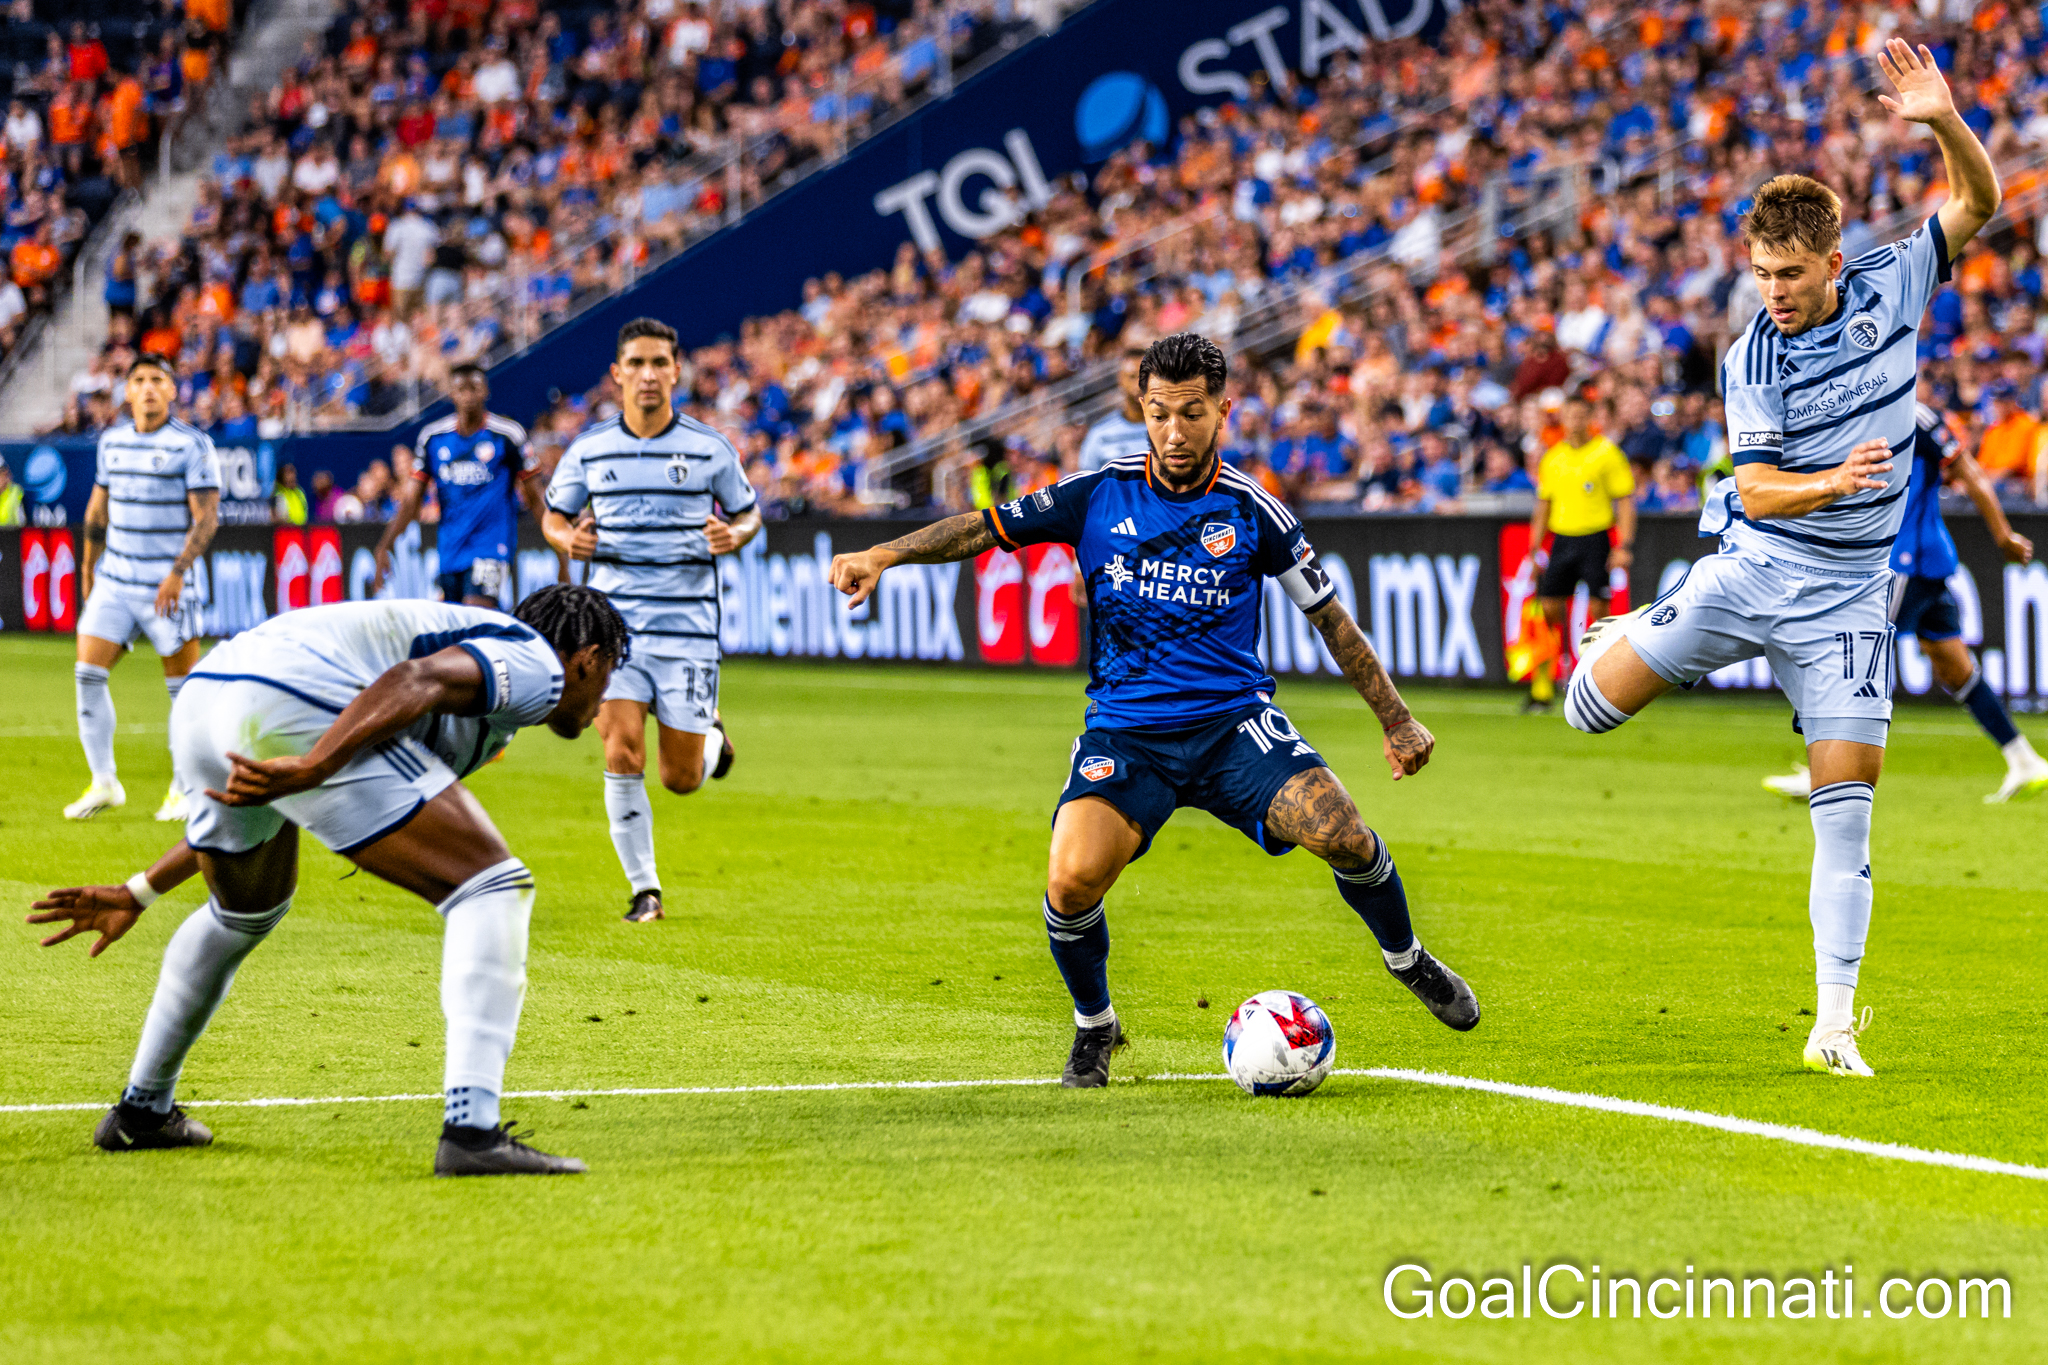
[1095, 767]
[1863, 331]
[1219, 538]
[1664, 615]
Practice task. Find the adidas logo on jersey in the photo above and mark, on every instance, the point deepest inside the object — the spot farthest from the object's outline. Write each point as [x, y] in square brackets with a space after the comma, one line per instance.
[1867, 690]
[1127, 527]
[610, 476]
[1302, 750]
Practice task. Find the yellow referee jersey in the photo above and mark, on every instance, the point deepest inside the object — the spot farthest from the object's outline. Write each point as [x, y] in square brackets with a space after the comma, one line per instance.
[1581, 484]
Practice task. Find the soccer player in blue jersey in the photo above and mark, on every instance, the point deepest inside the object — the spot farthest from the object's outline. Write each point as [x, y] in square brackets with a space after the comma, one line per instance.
[477, 461]
[653, 480]
[1175, 547]
[1819, 394]
[1923, 557]
[154, 507]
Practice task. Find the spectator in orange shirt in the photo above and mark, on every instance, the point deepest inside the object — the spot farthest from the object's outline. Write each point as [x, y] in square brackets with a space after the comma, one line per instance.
[86, 54]
[70, 126]
[2008, 444]
[36, 260]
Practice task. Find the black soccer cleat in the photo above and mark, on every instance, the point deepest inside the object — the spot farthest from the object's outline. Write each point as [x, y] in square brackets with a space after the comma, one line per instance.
[724, 763]
[646, 906]
[1442, 989]
[130, 1128]
[1088, 1063]
[495, 1151]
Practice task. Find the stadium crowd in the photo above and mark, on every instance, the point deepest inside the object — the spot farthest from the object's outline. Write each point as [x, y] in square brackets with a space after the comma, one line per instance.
[438, 178]
[1400, 214]
[88, 89]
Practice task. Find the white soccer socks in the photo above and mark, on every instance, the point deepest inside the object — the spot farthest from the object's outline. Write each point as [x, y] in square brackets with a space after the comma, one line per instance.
[199, 966]
[483, 983]
[1838, 899]
[632, 821]
[1585, 707]
[95, 718]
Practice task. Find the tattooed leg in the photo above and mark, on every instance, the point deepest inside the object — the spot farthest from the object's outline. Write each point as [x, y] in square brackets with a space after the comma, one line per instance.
[1314, 811]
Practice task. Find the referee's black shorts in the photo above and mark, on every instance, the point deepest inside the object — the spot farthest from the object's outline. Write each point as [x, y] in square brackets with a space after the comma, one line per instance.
[1575, 560]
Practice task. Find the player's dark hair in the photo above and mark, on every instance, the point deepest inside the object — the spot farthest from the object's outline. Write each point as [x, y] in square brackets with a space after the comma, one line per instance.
[649, 327]
[1794, 213]
[1181, 357]
[571, 617]
[466, 367]
[151, 360]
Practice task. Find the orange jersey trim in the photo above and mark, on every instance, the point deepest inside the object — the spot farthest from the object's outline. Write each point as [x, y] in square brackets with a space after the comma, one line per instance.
[995, 525]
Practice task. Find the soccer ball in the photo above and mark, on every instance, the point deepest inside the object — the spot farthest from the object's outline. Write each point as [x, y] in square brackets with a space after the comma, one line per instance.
[1278, 1043]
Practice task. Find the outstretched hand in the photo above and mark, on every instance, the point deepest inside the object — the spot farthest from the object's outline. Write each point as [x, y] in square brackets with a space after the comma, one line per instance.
[1923, 94]
[1408, 747]
[857, 574]
[109, 911]
[258, 782]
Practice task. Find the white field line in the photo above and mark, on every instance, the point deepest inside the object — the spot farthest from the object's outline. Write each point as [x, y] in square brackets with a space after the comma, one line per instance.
[1541, 1094]
[60, 731]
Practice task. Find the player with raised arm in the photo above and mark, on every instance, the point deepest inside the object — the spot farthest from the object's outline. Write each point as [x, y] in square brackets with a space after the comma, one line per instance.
[1175, 547]
[653, 480]
[1923, 557]
[1819, 393]
[155, 506]
[477, 461]
[357, 722]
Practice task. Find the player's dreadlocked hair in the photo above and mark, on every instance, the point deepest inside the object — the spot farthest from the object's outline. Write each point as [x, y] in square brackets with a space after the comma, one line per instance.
[1181, 357]
[1794, 213]
[569, 618]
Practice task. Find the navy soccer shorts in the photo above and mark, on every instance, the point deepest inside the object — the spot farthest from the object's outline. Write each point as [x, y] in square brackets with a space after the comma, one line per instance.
[483, 578]
[1926, 608]
[1231, 768]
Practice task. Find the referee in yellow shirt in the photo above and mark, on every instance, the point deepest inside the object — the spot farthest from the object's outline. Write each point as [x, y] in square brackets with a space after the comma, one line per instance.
[1583, 489]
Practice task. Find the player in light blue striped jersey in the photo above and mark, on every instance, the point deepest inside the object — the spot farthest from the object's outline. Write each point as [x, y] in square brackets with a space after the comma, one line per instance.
[653, 481]
[1820, 400]
[155, 504]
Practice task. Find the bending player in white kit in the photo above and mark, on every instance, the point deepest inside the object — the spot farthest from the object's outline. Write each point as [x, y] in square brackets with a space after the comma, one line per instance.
[155, 505]
[356, 722]
[650, 477]
[1820, 400]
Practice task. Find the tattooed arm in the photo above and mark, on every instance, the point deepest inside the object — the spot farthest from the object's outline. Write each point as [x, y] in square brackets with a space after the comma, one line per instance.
[205, 505]
[1407, 743]
[942, 542]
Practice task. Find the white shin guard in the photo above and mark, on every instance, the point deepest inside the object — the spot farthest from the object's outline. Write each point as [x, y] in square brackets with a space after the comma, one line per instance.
[632, 822]
[199, 966]
[483, 972]
[1838, 900]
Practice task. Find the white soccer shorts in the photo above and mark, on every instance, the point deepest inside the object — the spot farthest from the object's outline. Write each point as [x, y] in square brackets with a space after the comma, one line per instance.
[117, 613]
[683, 692]
[375, 792]
[1828, 637]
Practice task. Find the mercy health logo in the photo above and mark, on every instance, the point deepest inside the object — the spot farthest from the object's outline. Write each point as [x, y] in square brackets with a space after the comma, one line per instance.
[1194, 585]
[1835, 397]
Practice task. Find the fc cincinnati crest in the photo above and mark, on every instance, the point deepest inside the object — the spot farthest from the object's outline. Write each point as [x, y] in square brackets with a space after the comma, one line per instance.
[1095, 767]
[1219, 538]
[1863, 331]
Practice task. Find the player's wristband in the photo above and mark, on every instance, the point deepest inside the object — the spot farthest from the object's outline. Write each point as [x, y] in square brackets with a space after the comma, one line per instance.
[139, 887]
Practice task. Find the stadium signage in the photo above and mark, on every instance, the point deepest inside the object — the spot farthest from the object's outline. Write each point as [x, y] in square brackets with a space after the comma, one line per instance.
[1438, 596]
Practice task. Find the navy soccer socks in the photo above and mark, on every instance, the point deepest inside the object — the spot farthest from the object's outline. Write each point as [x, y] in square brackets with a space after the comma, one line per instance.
[1376, 893]
[1080, 948]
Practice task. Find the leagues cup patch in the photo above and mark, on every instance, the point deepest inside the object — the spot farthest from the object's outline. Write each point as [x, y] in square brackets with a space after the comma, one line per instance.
[1095, 767]
[1219, 538]
[1863, 331]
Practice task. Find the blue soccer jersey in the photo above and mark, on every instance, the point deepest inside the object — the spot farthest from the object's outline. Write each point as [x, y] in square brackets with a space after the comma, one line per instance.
[1175, 584]
[478, 478]
[1924, 548]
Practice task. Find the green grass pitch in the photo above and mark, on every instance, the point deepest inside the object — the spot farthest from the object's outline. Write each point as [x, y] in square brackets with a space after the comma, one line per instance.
[859, 902]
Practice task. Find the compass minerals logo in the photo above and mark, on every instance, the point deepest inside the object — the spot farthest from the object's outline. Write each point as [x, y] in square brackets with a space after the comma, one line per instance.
[1835, 397]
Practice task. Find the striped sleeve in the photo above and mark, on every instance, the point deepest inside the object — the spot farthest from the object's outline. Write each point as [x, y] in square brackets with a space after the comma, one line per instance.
[1753, 402]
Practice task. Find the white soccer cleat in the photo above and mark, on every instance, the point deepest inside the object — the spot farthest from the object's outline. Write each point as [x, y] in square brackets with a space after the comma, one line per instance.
[2021, 780]
[103, 794]
[1832, 1051]
[1795, 786]
[173, 807]
[1601, 635]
